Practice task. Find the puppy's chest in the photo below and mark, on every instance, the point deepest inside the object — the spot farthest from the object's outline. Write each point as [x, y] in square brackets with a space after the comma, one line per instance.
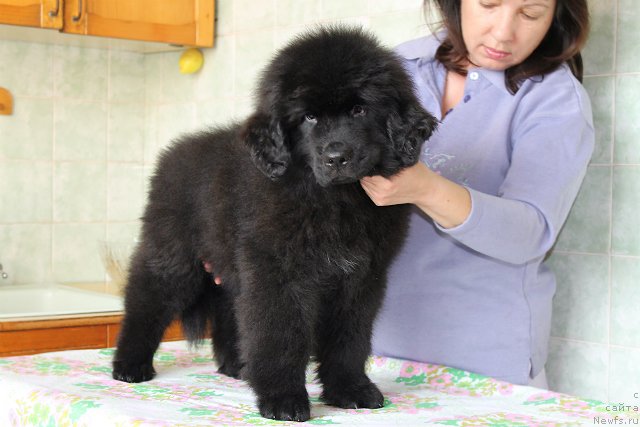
[340, 240]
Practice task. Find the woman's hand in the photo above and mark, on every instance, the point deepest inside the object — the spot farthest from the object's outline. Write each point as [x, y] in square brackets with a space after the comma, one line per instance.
[407, 186]
[448, 203]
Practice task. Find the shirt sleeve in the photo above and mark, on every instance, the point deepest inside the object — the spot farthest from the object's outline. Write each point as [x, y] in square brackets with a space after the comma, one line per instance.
[552, 142]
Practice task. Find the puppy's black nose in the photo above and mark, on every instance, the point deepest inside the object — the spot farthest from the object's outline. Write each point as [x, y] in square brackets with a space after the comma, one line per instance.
[336, 154]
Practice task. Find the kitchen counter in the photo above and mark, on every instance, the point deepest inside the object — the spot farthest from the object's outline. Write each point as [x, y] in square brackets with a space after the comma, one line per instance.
[49, 327]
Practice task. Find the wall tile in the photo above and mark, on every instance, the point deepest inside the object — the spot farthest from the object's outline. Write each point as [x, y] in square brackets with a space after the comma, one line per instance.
[339, 9]
[601, 92]
[599, 52]
[242, 107]
[126, 76]
[176, 87]
[75, 252]
[125, 195]
[120, 243]
[588, 226]
[175, 120]
[581, 302]
[126, 132]
[385, 26]
[578, 368]
[153, 68]
[80, 130]
[28, 133]
[252, 54]
[626, 205]
[80, 73]
[249, 17]
[217, 112]
[627, 130]
[25, 191]
[151, 133]
[26, 252]
[295, 12]
[147, 174]
[224, 24]
[624, 377]
[127, 231]
[625, 300]
[377, 7]
[284, 35]
[216, 78]
[80, 191]
[628, 49]
[27, 68]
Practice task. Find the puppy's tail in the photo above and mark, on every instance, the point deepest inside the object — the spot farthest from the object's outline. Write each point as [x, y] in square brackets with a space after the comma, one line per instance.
[197, 319]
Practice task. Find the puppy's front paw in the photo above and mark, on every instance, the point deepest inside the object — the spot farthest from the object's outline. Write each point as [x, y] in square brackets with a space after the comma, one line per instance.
[132, 373]
[353, 396]
[285, 407]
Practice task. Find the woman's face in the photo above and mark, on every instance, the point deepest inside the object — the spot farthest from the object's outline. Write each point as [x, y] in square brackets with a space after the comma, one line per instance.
[502, 33]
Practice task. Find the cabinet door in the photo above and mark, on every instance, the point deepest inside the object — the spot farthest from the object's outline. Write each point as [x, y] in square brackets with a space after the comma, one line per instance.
[32, 13]
[184, 22]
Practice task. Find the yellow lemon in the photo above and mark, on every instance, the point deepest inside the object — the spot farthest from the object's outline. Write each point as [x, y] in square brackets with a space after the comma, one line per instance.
[191, 61]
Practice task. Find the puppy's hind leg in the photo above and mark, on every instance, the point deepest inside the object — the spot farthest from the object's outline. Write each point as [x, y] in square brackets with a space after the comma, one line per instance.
[146, 318]
[225, 333]
[151, 303]
[213, 312]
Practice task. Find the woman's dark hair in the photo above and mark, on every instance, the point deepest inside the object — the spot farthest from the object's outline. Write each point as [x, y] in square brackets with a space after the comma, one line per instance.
[562, 43]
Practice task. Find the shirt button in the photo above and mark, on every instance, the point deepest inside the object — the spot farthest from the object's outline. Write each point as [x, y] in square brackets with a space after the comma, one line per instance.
[466, 98]
[474, 75]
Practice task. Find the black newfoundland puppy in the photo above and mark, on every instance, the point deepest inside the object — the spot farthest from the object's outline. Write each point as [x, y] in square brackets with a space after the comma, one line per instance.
[275, 204]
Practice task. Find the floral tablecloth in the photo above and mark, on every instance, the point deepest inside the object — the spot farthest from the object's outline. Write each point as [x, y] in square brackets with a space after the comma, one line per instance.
[75, 388]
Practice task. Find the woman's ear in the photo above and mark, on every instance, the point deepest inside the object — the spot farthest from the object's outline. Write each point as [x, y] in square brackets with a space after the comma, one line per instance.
[408, 132]
[266, 142]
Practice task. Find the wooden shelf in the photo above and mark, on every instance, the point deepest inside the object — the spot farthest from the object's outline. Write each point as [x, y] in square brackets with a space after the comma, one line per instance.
[33, 336]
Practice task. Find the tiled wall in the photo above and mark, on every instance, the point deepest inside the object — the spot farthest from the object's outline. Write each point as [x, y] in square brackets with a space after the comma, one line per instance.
[70, 158]
[595, 346]
[88, 124]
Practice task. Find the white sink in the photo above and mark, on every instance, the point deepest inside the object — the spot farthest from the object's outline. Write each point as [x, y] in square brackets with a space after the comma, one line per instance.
[54, 300]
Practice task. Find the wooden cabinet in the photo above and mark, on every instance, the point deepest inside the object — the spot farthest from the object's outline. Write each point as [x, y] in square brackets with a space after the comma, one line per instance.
[182, 22]
[186, 22]
[32, 13]
[38, 336]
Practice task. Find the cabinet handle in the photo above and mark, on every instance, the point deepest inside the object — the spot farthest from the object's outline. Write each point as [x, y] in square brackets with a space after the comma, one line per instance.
[77, 17]
[54, 13]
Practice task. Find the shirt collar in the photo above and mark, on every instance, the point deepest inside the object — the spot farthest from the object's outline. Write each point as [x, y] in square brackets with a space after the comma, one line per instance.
[496, 78]
[424, 49]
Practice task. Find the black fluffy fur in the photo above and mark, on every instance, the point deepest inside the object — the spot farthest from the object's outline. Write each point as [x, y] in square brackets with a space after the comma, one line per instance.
[275, 204]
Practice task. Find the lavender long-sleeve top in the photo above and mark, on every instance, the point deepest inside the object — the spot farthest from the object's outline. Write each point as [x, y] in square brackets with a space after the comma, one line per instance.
[479, 296]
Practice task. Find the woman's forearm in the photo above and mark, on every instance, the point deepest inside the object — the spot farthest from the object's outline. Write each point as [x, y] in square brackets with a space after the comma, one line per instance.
[445, 201]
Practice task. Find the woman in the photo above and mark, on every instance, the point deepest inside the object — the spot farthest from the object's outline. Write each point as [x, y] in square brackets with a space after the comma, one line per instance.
[496, 183]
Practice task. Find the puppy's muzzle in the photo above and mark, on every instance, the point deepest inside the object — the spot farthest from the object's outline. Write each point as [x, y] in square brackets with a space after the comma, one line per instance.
[337, 155]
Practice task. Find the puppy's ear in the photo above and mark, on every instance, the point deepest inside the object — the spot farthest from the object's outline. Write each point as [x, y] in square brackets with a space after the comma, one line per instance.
[408, 132]
[266, 142]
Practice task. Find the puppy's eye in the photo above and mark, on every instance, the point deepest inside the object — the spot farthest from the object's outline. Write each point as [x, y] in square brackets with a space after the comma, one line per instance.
[358, 110]
[310, 118]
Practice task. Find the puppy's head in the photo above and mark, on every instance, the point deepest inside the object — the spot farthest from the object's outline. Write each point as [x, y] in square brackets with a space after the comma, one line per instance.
[337, 104]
